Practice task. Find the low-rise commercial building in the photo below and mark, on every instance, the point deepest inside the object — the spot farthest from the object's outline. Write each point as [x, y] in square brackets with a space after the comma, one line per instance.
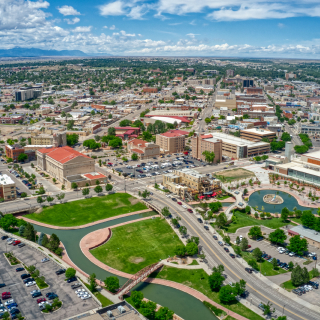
[7, 188]
[143, 149]
[15, 150]
[187, 182]
[172, 141]
[257, 134]
[234, 147]
[57, 139]
[126, 133]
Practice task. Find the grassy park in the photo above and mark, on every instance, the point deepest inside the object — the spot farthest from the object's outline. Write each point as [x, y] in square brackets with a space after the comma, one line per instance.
[234, 174]
[77, 213]
[137, 245]
[245, 220]
[198, 279]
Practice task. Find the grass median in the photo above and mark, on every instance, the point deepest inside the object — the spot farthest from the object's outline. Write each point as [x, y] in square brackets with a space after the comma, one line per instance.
[80, 212]
[137, 245]
[245, 220]
[198, 280]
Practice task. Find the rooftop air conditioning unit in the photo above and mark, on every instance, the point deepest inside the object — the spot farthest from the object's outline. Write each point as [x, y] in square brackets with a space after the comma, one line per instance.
[109, 313]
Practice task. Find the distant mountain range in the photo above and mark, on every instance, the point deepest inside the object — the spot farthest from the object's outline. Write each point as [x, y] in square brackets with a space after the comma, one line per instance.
[35, 52]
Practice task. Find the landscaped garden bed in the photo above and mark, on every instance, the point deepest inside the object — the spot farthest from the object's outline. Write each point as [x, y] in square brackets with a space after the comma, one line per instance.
[11, 258]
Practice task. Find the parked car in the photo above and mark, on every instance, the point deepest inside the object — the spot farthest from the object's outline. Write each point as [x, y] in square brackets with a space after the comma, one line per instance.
[21, 245]
[2, 285]
[25, 275]
[249, 270]
[60, 271]
[41, 300]
[220, 243]
[190, 210]
[232, 255]
[226, 249]
[19, 269]
[179, 203]
[72, 279]
[16, 242]
[37, 294]
[206, 227]
[76, 285]
[215, 237]
[45, 260]
[199, 220]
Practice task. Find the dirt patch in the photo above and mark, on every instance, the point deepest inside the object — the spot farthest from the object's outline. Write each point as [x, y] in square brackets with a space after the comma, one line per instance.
[235, 174]
[39, 210]
[136, 260]
[134, 201]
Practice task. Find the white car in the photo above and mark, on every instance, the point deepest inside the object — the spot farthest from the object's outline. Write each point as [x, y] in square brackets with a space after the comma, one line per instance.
[2, 310]
[31, 283]
[86, 297]
[34, 291]
[291, 254]
[9, 302]
[184, 206]
[282, 251]
[240, 237]
[9, 239]
[280, 248]
[80, 290]
[170, 171]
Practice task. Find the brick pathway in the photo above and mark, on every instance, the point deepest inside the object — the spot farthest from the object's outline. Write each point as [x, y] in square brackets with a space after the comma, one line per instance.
[84, 225]
[96, 238]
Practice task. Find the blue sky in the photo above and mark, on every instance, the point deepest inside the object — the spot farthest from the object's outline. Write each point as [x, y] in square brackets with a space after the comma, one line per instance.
[251, 28]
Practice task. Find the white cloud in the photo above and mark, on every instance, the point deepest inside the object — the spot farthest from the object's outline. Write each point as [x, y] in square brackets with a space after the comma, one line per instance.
[72, 21]
[82, 29]
[112, 27]
[193, 23]
[138, 12]
[281, 25]
[105, 27]
[68, 11]
[112, 9]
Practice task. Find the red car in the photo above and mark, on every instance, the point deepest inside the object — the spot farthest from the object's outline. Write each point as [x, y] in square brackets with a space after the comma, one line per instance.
[249, 246]
[180, 203]
[110, 163]
[6, 295]
[190, 210]
[41, 300]
[16, 242]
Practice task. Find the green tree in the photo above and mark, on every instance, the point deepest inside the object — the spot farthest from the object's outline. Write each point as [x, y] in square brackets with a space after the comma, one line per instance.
[136, 298]
[255, 232]
[8, 221]
[285, 136]
[165, 212]
[183, 230]
[227, 294]
[274, 264]
[209, 156]
[180, 250]
[277, 236]
[215, 281]
[134, 157]
[221, 220]
[267, 308]
[257, 253]
[298, 245]
[237, 250]
[22, 157]
[54, 242]
[285, 214]
[240, 287]
[299, 276]
[109, 187]
[164, 314]
[92, 282]
[29, 232]
[40, 200]
[98, 189]
[70, 272]
[248, 209]
[244, 244]
[74, 185]
[290, 265]
[308, 219]
[85, 191]
[112, 283]
[111, 131]
[191, 248]
[72, 139]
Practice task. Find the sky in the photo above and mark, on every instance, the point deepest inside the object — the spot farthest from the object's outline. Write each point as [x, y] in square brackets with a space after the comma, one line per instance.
[216, 28]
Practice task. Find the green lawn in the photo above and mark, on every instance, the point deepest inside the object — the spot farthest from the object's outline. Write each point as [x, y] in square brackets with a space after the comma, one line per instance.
[77, 213]
[198, 279]
[104, 300]
[266, 267]
[245, 220]
[137, 245]
[194, 263]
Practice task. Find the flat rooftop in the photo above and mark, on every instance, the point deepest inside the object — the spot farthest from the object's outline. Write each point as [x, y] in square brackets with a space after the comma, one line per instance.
[300, 167]
[191, 172]
[307, 233]
[5, 179]
[227, 138]
[260, 132]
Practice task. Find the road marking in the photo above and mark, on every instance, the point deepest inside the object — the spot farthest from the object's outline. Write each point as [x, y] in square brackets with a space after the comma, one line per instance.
[226, 265]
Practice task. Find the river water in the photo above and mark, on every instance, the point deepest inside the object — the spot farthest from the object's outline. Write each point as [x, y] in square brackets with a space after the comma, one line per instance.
[183, 304]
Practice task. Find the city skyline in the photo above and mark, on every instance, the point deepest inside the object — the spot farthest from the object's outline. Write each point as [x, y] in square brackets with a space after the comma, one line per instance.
[274, 29]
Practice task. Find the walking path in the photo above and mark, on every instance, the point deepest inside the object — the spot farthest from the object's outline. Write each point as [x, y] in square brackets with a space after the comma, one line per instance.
[96, 238]
[84, 225]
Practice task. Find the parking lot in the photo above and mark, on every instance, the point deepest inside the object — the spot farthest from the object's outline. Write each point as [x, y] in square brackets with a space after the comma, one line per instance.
[153, 166]
[72, 305]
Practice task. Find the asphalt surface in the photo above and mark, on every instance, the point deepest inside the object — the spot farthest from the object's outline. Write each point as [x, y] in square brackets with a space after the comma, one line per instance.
[28, 306]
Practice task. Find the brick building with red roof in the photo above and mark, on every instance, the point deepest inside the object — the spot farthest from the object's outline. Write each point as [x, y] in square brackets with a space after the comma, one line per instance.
[68, 165]
[172, 141]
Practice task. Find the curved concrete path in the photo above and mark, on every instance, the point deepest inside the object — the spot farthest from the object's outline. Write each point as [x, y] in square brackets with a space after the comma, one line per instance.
[83, 225]
[98, 237]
